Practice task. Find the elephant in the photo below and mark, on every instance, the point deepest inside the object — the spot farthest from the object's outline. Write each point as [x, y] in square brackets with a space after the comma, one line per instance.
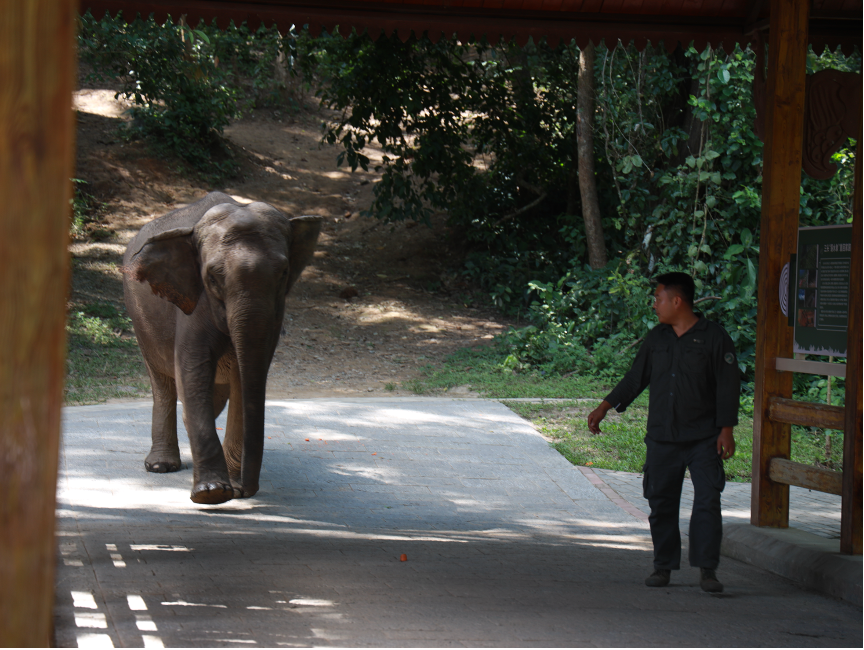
[208, 324]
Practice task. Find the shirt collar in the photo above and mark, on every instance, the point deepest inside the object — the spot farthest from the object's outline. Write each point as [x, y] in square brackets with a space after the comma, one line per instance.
[700, 324]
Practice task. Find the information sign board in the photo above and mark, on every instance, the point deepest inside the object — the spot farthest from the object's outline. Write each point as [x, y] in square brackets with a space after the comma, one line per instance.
[821, 290]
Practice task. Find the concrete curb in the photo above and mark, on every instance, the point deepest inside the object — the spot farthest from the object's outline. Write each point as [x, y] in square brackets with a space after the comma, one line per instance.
[812, 561]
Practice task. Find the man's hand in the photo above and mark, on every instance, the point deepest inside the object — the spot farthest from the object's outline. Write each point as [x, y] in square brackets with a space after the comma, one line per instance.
[725, 443]
[596, 416]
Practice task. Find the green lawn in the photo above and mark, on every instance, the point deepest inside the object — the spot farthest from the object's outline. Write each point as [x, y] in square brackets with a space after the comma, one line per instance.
[621, 445]
[480, 369]
[103, 361]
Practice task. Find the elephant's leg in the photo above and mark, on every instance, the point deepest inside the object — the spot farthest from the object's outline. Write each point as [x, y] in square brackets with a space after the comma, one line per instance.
[164, 453]
[210, 482]
[233, 444]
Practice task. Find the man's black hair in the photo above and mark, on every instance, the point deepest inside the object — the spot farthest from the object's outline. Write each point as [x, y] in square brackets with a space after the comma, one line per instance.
[679, 283]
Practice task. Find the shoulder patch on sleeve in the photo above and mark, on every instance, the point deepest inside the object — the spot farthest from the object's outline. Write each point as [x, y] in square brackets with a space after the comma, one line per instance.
[729, 358]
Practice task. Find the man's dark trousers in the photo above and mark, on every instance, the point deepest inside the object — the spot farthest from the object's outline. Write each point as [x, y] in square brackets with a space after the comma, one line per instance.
[662, 482]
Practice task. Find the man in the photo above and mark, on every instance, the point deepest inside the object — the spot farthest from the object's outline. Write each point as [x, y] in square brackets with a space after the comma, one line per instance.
[690, 364]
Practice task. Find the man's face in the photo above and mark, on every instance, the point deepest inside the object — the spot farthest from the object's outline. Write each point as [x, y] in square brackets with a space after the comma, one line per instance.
[665, 304]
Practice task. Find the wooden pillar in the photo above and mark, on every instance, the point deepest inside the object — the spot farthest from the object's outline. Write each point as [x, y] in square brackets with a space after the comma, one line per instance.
[37, 69]
[850, 522]
[781, 186]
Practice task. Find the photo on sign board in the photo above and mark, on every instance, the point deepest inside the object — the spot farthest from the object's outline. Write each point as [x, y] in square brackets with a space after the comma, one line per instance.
[806, 318]
[810, 298]
[810, 257]
[807, 279]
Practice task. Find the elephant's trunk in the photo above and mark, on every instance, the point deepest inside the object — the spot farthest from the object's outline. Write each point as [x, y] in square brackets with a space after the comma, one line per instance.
[254, 347]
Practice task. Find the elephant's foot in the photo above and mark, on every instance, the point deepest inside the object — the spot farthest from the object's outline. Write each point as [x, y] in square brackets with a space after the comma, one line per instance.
[161, 462]
[241, 492]
[212, 492]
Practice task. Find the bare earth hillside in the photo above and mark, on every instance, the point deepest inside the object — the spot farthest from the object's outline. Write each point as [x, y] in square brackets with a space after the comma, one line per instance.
[361, 319]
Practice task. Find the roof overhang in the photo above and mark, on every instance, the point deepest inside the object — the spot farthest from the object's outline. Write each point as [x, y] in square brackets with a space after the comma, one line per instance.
[833, 23]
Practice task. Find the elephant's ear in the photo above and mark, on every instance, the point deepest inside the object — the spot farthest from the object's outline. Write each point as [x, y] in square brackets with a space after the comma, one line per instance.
[168, 262]
[304, 237]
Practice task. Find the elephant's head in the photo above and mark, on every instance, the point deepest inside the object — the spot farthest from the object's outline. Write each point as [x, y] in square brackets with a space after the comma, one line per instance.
[244, 259]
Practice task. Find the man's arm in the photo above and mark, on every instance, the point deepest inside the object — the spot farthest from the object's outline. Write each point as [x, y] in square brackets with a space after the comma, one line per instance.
[728, 382]
[597, 415]
[628, 389]
[726, 443]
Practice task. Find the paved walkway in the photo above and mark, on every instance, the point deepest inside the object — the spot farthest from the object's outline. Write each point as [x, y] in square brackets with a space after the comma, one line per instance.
[507, 544]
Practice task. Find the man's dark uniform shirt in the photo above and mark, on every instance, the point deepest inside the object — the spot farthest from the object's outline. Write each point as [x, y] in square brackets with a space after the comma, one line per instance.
[694, 382]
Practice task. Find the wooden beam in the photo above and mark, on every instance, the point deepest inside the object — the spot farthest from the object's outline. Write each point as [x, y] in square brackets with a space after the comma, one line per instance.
[37, 68]
[810, 367]
[710, 23]
[781, 186]
[806, 414]
[786, 472]
[850, 523]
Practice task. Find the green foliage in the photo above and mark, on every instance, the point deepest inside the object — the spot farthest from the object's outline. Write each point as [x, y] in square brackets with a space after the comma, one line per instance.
[480, 132]
[186, 84]
[486, 134]
[700, 216]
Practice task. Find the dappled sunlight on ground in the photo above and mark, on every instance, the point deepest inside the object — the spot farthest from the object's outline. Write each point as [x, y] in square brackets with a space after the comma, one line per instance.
[383, 522]
[378, 301]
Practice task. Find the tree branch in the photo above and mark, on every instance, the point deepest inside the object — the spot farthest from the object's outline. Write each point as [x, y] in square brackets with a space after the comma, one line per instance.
[521, 210]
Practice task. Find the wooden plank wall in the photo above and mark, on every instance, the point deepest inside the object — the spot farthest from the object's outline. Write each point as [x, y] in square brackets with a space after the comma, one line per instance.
[781, 184]
[37, 68]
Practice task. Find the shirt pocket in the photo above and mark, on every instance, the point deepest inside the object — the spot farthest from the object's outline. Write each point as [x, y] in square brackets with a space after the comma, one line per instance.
[697, 397]
[695, 359]
[695, 365]
[661, 359]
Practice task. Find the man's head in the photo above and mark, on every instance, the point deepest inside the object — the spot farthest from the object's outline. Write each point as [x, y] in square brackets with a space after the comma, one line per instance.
[673, 297]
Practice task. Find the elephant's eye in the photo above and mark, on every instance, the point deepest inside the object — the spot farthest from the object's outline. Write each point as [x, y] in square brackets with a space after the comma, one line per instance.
[214, 284]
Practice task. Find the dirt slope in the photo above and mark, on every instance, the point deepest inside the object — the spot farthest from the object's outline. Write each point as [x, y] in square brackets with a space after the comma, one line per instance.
[360, 319]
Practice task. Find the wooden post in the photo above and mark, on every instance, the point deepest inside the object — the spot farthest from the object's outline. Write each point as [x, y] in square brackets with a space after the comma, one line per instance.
[850, 522]
[37, 68]
[781, 185]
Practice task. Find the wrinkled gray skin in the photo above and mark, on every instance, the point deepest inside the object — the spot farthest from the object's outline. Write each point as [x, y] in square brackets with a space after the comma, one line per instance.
[205, 287]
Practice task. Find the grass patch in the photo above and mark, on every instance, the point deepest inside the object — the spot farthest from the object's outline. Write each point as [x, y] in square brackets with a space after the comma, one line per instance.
[621, 446]
[480, 369]
[103, 360]
[809, 446]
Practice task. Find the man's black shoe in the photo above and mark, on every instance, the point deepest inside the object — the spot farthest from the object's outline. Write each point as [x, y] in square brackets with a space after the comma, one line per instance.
[709, 582]
[660, 578]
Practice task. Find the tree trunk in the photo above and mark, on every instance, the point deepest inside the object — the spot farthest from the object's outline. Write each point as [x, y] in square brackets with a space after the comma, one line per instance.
[585, 150]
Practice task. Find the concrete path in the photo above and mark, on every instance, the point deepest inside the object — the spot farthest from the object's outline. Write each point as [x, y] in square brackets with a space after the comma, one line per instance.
[507, 544]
